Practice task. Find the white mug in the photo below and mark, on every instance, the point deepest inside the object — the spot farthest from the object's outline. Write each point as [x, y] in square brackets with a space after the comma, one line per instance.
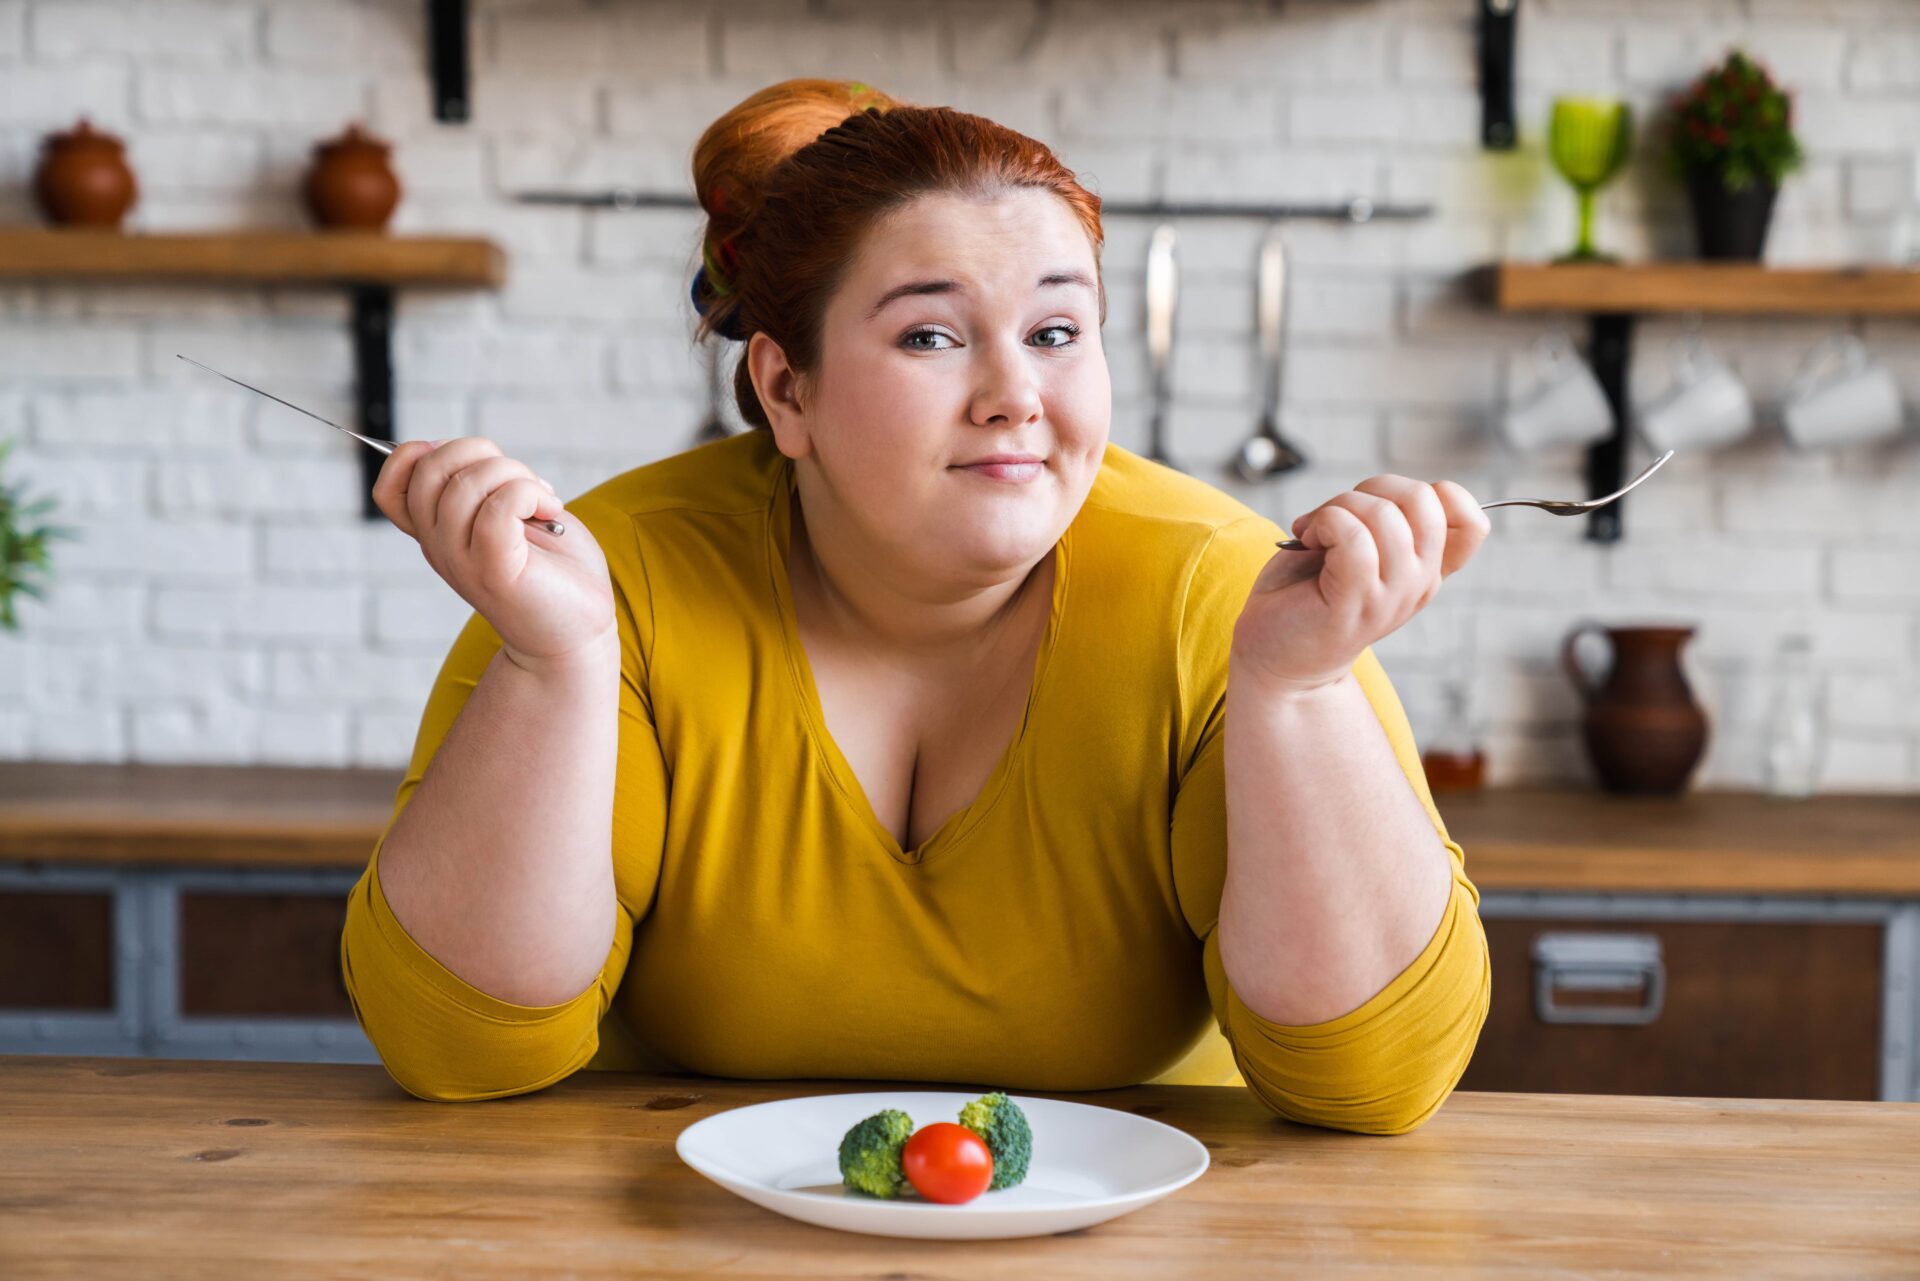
[1706, 404]
[1566, 405]
[1857, 401]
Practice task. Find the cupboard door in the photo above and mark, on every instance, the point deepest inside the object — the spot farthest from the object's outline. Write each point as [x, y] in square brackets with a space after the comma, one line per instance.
[252, 954]
[1747, 1010]
[56, 951]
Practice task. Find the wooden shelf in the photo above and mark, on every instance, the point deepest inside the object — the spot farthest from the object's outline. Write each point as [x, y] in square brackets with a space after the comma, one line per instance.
[1732, 288]
[251, 257]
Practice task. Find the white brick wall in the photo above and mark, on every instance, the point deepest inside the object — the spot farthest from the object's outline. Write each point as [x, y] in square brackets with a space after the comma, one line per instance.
[227, 602]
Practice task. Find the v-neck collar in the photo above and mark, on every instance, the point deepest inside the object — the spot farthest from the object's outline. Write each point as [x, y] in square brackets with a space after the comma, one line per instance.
[779, 542]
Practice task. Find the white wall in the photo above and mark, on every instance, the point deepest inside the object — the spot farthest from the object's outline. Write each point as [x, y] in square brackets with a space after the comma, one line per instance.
[228, 603]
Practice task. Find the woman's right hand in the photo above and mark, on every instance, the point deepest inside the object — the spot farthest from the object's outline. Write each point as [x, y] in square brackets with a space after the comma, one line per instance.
[548, 595]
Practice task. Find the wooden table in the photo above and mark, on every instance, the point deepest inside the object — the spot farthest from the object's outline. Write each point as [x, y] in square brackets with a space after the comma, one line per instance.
[127, 1167]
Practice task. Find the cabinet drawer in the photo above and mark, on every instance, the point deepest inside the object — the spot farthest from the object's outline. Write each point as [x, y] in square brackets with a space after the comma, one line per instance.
[56, 950]
[248, 954]
[1746, 1010]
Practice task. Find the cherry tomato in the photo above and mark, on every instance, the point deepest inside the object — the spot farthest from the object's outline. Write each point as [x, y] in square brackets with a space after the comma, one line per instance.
[947, 1163]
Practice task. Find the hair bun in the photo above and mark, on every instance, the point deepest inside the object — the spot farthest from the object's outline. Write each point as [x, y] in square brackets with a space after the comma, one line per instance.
[735, 156]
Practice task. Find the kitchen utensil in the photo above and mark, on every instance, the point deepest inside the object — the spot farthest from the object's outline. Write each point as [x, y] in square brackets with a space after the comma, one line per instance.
[712, 427]
[1163, 292]
[384, 446]
[1642, 727]
[1090, 1164]
[1268, 453]
[1558, 506]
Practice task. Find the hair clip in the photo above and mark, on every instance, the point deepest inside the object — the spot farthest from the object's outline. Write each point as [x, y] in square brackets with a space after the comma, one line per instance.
[729, 327]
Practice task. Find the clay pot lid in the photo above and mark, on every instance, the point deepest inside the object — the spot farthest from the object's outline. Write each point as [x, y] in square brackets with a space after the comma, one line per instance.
[83, 134]
[354, 138]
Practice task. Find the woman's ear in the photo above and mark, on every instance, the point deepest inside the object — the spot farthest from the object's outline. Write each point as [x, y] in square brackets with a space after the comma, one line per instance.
[777, 384]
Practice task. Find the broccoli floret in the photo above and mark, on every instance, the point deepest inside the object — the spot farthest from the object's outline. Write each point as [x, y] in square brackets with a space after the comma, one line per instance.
[999, 1120]
[870, 1154]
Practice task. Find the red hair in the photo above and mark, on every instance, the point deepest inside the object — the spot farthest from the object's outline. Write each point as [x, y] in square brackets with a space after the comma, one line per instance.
[794, 176]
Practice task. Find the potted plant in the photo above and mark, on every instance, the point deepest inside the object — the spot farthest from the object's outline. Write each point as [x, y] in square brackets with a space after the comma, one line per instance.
[1731, 141]
[23, 545]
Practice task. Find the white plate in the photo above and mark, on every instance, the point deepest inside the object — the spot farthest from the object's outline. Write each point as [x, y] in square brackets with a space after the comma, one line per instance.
[1090, 1164]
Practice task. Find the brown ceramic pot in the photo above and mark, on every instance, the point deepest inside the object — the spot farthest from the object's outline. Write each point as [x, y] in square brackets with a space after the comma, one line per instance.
[350, 185]
[1643, 730]
[83, 179]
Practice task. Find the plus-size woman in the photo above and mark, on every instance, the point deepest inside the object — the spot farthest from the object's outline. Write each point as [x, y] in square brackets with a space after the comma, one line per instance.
[919, 733]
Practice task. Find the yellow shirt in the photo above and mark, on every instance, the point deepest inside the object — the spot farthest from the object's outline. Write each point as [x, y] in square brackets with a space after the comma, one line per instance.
[1057, 934]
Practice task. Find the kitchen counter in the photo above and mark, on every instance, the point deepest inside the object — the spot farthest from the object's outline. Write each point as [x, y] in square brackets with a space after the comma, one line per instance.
[207, 1170]
[1540, 838]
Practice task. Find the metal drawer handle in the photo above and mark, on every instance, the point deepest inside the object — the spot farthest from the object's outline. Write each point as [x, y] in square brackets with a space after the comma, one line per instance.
[1577, 962]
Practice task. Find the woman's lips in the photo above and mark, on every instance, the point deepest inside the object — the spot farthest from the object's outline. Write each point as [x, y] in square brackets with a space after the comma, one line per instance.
[1016, 473]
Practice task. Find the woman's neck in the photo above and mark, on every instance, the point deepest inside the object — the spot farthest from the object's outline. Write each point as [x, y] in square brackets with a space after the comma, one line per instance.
[869, 603]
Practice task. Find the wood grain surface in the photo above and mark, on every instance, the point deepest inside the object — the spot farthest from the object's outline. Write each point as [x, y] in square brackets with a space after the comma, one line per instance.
[157, 1169]
[250, 257]
[1521, 838]
[1725, 287]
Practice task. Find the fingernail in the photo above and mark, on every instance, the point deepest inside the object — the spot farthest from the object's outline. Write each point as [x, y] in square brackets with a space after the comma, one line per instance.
[437, 443]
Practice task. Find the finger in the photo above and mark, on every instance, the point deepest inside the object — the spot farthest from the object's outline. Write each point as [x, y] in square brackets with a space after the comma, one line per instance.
[1467, 525]
[1425, 515]
[501, 533]
[390, 486]
[1394, 555]
[430, 477]
[464, 492]
[1351, 570]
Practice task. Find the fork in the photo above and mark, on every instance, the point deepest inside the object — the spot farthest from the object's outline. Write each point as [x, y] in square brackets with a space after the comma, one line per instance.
[1558, 506]
[384, 446]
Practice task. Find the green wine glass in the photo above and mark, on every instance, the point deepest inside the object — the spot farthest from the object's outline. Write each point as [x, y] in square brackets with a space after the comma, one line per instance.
[1589, 140]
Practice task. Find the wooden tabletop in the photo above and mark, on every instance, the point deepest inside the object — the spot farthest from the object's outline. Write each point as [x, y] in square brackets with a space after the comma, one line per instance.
[157, 1168]
[1536, 838]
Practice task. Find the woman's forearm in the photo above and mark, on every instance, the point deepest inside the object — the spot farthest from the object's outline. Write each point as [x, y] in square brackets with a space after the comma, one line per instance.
[1336, 879]
[501, 864]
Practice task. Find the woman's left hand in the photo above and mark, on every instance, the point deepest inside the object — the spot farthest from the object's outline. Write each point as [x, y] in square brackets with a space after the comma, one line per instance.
[1376, 556]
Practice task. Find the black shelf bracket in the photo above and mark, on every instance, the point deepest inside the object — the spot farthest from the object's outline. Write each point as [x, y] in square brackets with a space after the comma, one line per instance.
[447, 41]
[1498, 130]
[1609, 355]
[373, 378]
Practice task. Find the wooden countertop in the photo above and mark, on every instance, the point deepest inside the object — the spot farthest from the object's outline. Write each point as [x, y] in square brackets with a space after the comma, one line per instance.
[1561, 838]
[158, 1168]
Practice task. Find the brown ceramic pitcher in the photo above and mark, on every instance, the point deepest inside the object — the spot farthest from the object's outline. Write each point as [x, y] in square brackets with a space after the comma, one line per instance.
[1643, 730]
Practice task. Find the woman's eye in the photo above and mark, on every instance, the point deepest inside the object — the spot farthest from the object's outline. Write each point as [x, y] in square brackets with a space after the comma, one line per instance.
[1071, 332]
[908, 340]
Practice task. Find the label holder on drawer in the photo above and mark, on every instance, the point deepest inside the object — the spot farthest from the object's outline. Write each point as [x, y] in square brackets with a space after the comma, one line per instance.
[1575, 961]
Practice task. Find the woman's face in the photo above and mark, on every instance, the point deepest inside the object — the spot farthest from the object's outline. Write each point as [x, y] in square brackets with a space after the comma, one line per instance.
[962, 330]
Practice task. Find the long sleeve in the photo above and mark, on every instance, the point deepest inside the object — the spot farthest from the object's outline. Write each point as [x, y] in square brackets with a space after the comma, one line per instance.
[1387, 1066]
[440, 1037]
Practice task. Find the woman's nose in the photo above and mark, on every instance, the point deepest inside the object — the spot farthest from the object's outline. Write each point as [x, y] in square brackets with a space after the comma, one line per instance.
[1008, 391]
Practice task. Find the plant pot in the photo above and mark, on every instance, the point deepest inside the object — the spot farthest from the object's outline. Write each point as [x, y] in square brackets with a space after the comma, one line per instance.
[1729, 225]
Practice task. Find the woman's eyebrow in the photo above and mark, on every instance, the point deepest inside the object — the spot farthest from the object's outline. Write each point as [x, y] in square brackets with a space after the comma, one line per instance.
[921, 287]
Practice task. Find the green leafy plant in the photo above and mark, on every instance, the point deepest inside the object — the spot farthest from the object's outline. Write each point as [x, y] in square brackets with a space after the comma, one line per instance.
[23, 545]
[1736, 123]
